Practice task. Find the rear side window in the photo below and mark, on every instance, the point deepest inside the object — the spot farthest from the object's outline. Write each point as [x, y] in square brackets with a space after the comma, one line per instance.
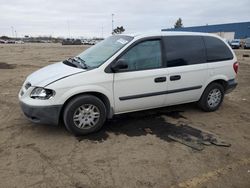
[184, 50]
[217, 50]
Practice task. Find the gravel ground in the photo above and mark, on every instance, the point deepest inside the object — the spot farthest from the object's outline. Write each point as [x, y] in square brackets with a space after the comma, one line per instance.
[132, 150]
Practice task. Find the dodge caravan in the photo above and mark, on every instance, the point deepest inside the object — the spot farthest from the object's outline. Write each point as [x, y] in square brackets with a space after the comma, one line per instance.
[126, 73]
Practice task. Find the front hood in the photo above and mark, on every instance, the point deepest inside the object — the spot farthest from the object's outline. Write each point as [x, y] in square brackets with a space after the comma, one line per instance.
[52, 73]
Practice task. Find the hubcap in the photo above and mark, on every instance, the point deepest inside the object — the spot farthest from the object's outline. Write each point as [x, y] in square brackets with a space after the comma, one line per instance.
[86, 116]
[214, 98]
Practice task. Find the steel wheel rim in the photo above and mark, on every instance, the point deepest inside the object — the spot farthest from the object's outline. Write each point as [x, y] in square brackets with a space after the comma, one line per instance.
[214, 98]
[86, 116]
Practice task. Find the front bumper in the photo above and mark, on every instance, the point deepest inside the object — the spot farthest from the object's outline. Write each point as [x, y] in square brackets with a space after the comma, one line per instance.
[231, 85]
[235, 46]
[42, 114]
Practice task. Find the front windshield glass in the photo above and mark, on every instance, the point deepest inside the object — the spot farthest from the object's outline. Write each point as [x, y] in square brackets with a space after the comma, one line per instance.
[101, 52]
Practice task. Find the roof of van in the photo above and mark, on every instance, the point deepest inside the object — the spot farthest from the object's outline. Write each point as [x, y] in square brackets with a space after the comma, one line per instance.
[168, 33]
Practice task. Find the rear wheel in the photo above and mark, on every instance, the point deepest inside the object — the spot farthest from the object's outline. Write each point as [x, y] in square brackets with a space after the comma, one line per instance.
[84, 114]
[212, 97]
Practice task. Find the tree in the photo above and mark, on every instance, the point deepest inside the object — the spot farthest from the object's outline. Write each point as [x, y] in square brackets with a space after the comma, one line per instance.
[178, 23]
[5, 38]
[118, 30]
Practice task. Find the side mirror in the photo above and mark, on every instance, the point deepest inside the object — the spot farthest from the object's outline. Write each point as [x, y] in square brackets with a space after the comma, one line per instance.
[119, 65]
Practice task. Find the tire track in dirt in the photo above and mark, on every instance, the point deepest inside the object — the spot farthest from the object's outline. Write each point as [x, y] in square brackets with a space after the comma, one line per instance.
[60, 176]
[212, 175]
[8, 112]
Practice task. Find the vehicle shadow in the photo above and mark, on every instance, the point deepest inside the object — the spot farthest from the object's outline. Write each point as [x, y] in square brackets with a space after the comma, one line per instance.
[138, 124]
[153, 122]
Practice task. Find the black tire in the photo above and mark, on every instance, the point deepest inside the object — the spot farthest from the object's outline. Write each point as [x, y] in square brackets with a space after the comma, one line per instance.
[204, 100]
[74, 105]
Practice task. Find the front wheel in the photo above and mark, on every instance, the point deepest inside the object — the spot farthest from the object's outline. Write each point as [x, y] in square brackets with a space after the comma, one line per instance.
[212, 97]
[84, 114]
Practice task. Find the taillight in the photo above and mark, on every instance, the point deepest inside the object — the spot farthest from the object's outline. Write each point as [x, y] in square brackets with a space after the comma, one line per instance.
[236, 67]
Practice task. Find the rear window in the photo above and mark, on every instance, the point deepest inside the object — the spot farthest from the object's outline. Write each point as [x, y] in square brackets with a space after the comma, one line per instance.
[217, 50]
[184, 50]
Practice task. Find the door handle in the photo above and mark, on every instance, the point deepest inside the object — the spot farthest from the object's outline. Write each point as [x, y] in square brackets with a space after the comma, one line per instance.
[160, 79]
[175, 77]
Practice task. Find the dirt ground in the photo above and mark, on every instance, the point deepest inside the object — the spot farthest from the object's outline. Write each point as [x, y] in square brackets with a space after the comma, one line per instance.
[132, 150]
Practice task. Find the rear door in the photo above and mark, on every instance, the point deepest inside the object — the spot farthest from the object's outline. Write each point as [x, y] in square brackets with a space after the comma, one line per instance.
[186, 68]
[140, 85]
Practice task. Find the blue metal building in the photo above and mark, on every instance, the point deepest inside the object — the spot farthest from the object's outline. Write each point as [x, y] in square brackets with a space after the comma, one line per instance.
[241, 30]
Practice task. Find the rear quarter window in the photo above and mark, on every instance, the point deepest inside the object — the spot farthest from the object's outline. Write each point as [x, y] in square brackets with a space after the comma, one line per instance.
[184, 50]
[217, 50]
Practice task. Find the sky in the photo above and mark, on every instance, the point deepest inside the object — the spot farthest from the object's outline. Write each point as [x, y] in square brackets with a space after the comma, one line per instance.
[92, 18]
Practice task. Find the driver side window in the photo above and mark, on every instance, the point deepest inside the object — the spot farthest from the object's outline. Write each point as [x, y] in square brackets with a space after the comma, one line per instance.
[145, 55]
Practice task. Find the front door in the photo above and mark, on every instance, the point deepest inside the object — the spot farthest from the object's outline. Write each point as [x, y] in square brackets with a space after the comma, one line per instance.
[140, 85]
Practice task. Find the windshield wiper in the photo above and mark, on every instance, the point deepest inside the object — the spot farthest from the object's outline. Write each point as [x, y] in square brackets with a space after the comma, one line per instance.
[76, 63]
[82, 62]
[71, 63]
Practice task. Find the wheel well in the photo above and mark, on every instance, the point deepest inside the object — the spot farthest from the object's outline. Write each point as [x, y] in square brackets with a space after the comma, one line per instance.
[101, 96]
[221, 82]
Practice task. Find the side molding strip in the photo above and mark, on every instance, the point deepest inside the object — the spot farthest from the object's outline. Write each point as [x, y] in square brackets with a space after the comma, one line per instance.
[158, 93]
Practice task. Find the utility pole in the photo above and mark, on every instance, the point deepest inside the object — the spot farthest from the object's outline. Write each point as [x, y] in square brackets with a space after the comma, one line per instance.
[12, 31]
[16, 34]
[102, 31]
[68, 28]
[112, 24]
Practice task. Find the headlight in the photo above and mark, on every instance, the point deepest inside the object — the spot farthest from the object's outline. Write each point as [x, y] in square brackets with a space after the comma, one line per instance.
[42, 93]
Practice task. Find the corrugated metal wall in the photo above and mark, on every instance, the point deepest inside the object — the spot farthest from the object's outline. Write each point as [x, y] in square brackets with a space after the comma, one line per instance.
[241, 30]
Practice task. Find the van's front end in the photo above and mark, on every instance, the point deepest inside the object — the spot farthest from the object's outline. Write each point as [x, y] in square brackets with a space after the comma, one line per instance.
[39, 102]
[39, 112]
[235, 44]
[47, 91]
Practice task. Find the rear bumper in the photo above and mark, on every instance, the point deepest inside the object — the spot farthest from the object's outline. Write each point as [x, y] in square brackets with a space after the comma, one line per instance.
[231, 85]
[42, 114]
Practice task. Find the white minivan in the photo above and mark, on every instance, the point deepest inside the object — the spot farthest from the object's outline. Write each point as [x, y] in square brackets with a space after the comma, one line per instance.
[126, 73]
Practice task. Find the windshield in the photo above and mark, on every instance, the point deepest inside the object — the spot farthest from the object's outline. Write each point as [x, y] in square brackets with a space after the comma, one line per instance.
[235, 41]
[101, 52]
